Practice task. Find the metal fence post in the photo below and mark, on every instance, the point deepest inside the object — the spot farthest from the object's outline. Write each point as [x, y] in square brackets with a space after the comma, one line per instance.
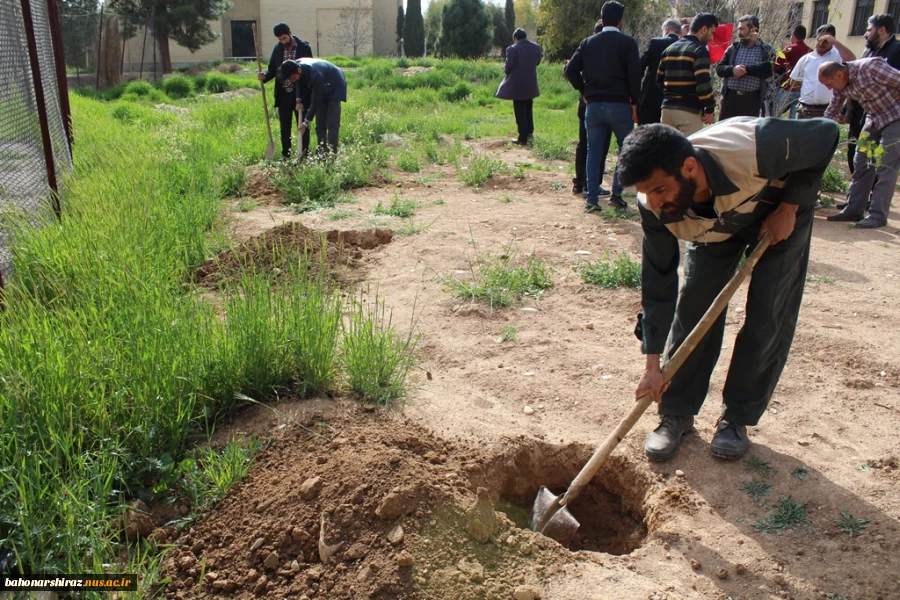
[41, 102]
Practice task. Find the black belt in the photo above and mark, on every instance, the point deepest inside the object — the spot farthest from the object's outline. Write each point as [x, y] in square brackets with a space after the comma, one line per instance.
[804, 104]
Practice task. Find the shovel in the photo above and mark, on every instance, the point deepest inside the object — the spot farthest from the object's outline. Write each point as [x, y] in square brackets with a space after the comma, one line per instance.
[270, 147]
[550, 515]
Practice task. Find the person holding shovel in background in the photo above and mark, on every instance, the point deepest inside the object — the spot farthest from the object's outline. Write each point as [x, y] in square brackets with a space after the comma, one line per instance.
[719, 191]
[327, 88]
[290, 102]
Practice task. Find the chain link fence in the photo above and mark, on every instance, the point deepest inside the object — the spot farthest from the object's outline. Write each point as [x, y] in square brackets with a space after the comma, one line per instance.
[34, 115]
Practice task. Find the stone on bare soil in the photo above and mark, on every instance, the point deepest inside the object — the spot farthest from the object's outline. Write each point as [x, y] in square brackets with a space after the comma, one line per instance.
[187, 562]
[722, 573]
[473, 570]
[526, 592]
[252, 575]
[271, 562]
[695, 564]
[355, 552]
[310, 488]
[394, 505]
[395, 535]
[137, 521]
[405, 559]
[740, 569]
[261, 584]
[481, 520]
[299, 534]
[257, 544]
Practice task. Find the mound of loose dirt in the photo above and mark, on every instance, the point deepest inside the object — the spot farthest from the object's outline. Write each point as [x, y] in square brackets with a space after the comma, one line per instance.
[277, 248]
[380, 508]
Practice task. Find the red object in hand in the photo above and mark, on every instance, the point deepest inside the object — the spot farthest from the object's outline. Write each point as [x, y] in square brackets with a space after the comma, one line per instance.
[720, 42]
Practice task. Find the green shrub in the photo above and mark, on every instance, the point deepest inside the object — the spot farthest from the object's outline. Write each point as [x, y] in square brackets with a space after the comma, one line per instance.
[408, 161]
[834, 181]
[138, 87]
[480, 169]
[114, 92]
[497, 282]
[129, 112]
[400, 207]
[312, 186]
[178, 86]
[216, 84]
[200, 82]
[460, 91]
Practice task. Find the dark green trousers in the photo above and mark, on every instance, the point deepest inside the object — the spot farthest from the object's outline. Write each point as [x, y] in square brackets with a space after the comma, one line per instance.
[763, 343]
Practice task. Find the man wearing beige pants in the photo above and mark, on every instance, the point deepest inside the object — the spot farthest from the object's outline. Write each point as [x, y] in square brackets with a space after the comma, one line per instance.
[683, 75]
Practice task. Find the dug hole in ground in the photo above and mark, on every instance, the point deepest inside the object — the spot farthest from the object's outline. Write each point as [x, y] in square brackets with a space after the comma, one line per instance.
[430, 500]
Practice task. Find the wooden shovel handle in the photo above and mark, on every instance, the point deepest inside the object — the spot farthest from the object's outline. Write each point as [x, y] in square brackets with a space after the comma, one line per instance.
[671, 367]
[262, 86]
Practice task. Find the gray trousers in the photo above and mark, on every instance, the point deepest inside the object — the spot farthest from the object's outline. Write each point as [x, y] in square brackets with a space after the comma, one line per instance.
[762, 345]
[865, 172]
[328, 124]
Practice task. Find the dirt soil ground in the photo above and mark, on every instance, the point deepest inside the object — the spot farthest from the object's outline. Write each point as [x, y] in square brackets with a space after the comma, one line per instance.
[676, 530]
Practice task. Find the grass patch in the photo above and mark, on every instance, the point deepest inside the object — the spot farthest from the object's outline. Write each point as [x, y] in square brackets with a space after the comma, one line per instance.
[558, 185]
[851, 525]
[497, 282]
[617, 213]
[759, 467]
[399, 207]
[411, 227]
[338, 215]
[376, 357]
[408, 161]
[756, 489]
[827, 279]
[480, 169]
[787, 513]
[427, 179]
[508, 334]
[800, 473]
[609, 274]
[246, 205]
[505, 198]
[440, 202]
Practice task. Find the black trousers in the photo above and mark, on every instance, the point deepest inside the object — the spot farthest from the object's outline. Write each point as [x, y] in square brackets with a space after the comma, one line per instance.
[763, 343]
[328, 124]
[739, 105]
[286, 113]
[581, 149]
[649, 114]
[524, 118]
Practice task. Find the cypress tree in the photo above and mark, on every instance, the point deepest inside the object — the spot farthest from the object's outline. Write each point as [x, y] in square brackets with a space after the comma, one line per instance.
[414, 29]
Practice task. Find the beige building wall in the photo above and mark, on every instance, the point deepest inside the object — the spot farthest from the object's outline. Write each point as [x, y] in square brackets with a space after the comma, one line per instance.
[385, 23]
[841, 14]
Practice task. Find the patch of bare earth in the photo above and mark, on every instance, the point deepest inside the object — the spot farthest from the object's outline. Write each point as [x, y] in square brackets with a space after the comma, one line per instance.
[575, 362]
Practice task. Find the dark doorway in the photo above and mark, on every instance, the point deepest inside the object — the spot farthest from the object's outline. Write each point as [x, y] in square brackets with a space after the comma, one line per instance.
[242, 39]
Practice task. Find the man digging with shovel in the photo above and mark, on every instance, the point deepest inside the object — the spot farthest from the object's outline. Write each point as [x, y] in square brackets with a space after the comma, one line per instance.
[719, 191]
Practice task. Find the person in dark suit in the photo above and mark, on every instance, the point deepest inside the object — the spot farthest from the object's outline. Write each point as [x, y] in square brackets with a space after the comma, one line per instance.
[520, 84]
[650, 105]
[326, 87]
[289, 47]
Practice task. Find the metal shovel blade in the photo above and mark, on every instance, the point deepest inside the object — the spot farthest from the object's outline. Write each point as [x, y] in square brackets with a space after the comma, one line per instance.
[551, 519]
[270, 151]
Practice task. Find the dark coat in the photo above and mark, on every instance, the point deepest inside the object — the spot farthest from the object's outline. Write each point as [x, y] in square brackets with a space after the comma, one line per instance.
[765, 70]
[651, 95]
[303, 50]
[520, 83]
[323, 81]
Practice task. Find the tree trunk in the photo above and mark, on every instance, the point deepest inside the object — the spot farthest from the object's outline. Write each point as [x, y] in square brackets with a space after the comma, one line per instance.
[110, 54]
[162, 42]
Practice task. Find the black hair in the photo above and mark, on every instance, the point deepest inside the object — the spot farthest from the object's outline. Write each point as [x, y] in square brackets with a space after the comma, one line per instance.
[611, 13]
[799, 32]
[752, 19]
[704, 20]
[826, 28]
[598, 26]
[288, 68]
[281, 29]
[520, 34]
[652, 147]
[884, 20]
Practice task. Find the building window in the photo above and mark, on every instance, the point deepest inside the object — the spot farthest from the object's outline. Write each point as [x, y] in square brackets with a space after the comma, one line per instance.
[795, 16]
[864, 10]
[819, 16]
[893, 9]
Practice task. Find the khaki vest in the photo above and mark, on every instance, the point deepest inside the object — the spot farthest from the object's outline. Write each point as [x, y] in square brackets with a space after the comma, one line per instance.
[734, 149]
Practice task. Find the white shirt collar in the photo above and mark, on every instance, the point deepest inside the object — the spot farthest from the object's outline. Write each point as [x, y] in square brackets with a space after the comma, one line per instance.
[610, 28]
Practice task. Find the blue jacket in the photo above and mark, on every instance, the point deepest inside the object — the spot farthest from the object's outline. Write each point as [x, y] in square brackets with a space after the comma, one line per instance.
[323, 80]
[520, 83]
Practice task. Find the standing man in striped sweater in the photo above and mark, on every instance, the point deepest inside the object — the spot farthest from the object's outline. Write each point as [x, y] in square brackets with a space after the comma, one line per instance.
[683, 75]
